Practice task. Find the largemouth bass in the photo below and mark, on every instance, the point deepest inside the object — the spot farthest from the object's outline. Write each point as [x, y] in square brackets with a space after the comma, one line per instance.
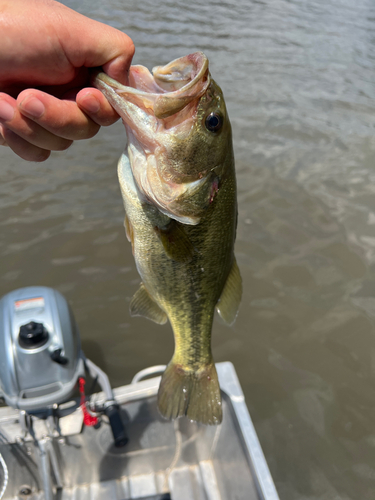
[178, 185]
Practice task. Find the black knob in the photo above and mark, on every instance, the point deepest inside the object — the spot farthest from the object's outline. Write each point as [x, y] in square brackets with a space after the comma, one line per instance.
[58, 357]
[118, 430]
[32, 335]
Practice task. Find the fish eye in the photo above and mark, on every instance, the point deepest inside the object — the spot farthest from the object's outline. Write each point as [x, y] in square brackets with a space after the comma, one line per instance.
[214, 122]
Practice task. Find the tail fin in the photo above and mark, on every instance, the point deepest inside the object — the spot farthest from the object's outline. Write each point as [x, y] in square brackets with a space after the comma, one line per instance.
[195, 394]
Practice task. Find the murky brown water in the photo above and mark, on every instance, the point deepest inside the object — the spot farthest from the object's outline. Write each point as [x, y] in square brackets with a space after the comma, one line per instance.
[299, 82]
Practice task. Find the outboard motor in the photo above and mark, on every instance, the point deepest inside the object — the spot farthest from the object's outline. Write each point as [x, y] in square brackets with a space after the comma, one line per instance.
[41, 362]
[40, 354]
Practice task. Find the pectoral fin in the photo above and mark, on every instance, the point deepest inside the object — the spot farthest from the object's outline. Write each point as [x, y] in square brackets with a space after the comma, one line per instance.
[176, 242]
[143, 305]
[230, 299]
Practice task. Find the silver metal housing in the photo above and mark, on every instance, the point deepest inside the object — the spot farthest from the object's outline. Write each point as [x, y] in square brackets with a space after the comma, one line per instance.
[29, 378]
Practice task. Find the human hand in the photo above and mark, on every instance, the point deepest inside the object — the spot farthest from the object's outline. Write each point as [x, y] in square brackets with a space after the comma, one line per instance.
[45, 99]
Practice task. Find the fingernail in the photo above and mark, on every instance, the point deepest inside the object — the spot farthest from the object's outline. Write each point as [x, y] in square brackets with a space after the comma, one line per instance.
[6, 111]
[2, 140]
[90, 103]
[32, 106]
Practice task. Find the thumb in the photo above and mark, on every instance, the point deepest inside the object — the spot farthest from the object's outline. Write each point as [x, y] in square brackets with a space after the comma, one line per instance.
[91, 44]
[114, 52]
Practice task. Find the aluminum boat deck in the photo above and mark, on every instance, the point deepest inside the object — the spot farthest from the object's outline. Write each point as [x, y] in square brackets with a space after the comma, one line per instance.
[163, 460]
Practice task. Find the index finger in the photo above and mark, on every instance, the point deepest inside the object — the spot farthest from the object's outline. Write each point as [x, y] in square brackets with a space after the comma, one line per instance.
[61, 117]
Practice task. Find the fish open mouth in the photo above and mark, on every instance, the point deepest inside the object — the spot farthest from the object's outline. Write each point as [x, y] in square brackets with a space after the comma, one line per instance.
[164, 92]
[155, 106]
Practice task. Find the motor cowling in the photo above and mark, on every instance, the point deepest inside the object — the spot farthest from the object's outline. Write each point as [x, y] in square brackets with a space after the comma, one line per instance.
[40, 353]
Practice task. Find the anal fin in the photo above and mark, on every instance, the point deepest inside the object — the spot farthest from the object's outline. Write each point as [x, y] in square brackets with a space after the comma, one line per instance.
[230, 298]
[143, 305]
